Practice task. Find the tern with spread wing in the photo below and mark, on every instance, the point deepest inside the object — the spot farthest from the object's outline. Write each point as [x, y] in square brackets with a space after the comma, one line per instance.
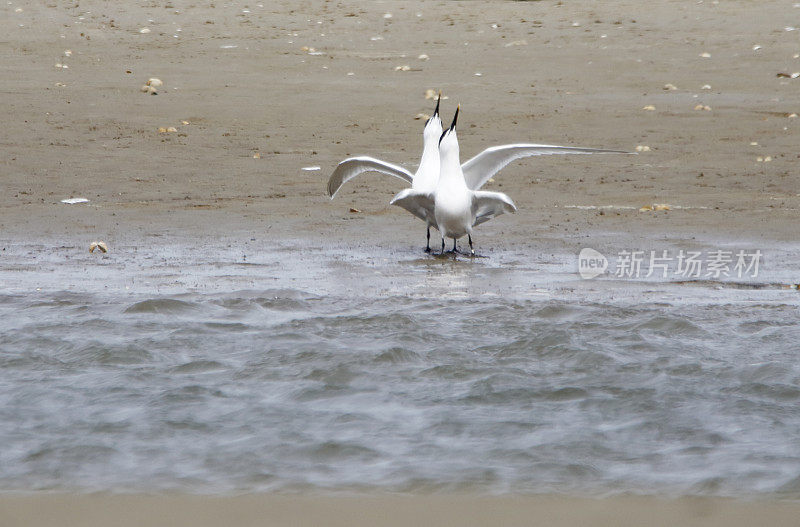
[423, 180]
[457, 204]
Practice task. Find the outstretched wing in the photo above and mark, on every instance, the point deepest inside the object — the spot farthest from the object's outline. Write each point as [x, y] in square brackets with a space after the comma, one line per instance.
[483, 166]
[420, 204]
[487, 205]
[350, 168]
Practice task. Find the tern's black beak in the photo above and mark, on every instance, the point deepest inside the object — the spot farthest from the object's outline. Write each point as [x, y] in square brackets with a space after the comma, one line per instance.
[455, 118]
[438, 100]
[452, 125]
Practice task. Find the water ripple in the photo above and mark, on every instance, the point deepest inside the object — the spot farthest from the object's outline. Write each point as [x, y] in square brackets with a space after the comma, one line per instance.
[283, 390]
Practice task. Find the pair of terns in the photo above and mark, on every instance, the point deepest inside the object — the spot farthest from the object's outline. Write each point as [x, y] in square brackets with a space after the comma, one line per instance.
[444, 193]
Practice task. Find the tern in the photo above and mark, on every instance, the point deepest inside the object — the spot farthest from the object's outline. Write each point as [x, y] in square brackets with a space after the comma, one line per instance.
[457, 204]
[423, 180]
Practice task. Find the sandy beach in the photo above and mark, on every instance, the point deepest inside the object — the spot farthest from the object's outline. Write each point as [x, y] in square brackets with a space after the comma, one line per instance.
[247, 84]
[257, 92]
[97, 510]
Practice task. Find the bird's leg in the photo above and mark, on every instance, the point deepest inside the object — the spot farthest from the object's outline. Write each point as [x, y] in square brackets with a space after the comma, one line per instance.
[454, 245]
[442, 244]
[469, 237]
[428, 246]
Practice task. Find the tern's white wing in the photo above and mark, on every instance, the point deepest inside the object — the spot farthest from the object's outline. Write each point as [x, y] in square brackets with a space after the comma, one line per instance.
[487, 205]
[418, 203]
[350, 168]
[483, 166]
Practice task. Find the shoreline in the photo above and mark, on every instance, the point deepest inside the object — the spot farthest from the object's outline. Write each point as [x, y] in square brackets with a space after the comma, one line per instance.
[57, 509]
[259, 112]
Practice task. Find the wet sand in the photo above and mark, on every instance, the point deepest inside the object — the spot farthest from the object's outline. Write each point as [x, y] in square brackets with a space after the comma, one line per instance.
[260, 107]
[549, 73]
[245, 85]
[197, 511]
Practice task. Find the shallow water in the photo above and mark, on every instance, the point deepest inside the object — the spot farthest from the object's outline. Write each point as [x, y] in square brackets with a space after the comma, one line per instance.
[192, 373]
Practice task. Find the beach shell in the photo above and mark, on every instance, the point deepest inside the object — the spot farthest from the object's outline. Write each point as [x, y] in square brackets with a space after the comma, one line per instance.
[522, 42]
[649, 108]
[792, 116]
[355, 211]
[154, 82]
[705, 55]
[670, 87]
[67, 52]
[149, 90]
[433, 94]
[144, 30]
[98, 245]
[703, 107]
[171, 129]
[162, 130]
[655, 207]
[424, 116]
[423, 57]
[404, 67]
[72, 201]
[257, 155]
[642, 148]
[184, 122]
[706, 87]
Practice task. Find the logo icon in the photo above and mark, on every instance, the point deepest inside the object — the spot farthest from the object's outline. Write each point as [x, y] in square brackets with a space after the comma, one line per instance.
[591, 263]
